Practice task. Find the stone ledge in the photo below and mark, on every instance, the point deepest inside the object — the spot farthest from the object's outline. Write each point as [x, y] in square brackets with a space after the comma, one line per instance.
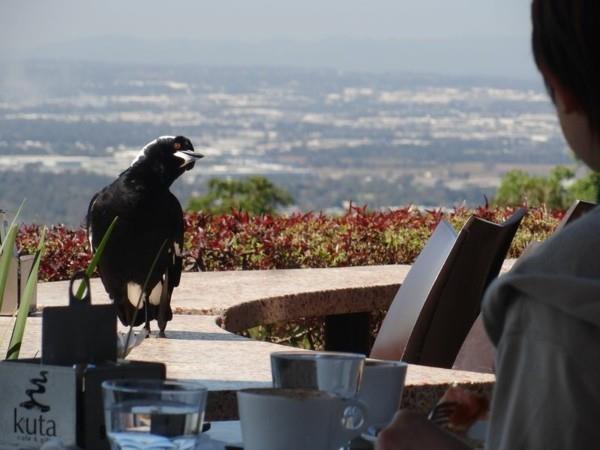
[308, 304]
[214, 293]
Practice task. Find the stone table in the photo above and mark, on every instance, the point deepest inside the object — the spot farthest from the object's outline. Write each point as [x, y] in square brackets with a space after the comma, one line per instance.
[199, 348]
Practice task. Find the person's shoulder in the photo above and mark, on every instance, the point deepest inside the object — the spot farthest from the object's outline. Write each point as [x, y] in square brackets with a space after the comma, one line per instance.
[566, 265]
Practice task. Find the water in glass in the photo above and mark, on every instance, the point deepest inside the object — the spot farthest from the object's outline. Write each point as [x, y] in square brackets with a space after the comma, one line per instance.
[166, 418]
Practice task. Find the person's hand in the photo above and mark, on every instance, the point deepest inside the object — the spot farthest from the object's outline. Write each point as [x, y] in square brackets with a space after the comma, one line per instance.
[409, 431]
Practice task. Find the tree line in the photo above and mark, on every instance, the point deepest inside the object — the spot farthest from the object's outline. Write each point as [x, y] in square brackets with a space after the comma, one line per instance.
[258, 195]
[558, 190]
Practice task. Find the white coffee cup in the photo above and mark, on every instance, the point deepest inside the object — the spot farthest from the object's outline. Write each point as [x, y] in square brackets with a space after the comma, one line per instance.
[296, 419]
[381, 390]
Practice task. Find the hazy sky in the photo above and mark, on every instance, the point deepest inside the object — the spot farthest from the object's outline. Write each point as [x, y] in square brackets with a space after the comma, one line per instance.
[39, 24]
[34, 22]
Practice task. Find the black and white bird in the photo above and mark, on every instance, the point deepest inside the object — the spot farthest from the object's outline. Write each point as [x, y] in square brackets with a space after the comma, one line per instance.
[149, 215]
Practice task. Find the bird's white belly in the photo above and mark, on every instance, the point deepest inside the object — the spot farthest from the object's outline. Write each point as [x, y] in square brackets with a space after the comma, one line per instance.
[134, 290]
[155, 294]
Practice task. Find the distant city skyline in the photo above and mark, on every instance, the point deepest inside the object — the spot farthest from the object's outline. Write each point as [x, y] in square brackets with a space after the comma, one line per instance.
[478, 37]
[326, 136]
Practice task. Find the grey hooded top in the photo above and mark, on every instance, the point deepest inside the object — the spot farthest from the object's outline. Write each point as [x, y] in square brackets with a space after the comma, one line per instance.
[544, 318]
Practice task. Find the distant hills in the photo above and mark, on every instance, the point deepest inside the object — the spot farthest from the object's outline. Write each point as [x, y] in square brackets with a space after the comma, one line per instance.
[472, 56]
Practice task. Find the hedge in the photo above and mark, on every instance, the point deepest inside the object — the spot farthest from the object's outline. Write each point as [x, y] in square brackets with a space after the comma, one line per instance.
[238, 241]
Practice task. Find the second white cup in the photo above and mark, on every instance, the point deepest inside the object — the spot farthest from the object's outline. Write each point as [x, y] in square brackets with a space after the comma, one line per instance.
[381, 390]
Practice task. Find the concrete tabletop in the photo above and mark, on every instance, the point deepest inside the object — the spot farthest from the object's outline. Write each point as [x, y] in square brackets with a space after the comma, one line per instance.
[197, 348]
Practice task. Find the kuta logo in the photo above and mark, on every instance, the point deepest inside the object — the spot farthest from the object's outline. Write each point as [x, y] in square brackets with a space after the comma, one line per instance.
[31, 393]
[30, 427]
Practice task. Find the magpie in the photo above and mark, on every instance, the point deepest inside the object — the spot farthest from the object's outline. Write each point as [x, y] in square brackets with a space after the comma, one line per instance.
[149, 218]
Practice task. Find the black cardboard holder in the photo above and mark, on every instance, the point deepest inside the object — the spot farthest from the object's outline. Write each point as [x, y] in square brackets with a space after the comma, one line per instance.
[60, 395]
[80, 332]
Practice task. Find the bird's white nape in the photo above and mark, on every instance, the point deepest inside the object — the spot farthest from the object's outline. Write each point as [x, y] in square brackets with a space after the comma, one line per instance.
[139, 156]
[133, 294]
[142, 152]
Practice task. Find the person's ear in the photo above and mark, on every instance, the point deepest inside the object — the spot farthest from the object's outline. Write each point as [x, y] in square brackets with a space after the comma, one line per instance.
[563, 97]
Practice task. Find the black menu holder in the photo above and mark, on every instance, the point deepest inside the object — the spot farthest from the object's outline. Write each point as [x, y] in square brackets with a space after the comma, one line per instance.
[91, 430]
[81, 332]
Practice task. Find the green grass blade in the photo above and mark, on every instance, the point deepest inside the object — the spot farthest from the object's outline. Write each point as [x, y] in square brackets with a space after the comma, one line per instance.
[6, 255]
[16, 339]
[6, 252]
[96, 258]
[144, 287]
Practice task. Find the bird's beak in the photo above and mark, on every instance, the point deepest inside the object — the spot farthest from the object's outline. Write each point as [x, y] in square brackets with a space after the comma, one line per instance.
[189, 158]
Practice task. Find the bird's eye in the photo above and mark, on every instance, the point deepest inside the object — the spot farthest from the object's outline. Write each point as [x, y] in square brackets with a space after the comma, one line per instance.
[177, 146]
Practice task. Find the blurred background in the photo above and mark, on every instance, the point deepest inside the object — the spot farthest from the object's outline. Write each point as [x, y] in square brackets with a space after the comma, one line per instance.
[383, 103]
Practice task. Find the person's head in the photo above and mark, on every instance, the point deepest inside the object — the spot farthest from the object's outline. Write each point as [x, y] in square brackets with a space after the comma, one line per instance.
[566, 48]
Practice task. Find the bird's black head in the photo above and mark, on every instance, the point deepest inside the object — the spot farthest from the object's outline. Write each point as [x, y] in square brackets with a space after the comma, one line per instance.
[166, 158]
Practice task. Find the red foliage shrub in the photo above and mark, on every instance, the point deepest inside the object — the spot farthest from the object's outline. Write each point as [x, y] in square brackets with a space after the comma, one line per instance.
[67, 250]
[238, 241]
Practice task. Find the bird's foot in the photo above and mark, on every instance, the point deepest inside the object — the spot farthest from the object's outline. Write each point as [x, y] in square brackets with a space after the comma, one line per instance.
[161, 334]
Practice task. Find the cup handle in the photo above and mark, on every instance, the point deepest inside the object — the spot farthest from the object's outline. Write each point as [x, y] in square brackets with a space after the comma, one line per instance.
[353, 416]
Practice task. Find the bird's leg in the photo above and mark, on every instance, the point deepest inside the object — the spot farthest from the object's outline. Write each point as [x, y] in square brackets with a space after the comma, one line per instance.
[147, 324]
[165, 300]
[162, 323]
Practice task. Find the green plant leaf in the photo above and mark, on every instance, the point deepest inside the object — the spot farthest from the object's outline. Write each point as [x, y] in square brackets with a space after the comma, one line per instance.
[6, 255]
[6, 252]
[14, 347]
[96, 258]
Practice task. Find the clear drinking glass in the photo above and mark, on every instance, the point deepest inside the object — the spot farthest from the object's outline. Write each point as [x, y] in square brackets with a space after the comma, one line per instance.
[156, 414]
[333, 372]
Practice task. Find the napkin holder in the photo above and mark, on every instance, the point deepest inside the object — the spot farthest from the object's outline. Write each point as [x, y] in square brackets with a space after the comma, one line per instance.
[80, 332]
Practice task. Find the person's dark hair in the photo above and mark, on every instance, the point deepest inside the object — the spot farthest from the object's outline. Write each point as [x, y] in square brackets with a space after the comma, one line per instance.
[566, 43]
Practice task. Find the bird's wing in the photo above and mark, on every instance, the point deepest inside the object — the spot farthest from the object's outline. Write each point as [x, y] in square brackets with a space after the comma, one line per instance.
[172, 274]
[101, 212]
[88, 220]
[176, 260]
